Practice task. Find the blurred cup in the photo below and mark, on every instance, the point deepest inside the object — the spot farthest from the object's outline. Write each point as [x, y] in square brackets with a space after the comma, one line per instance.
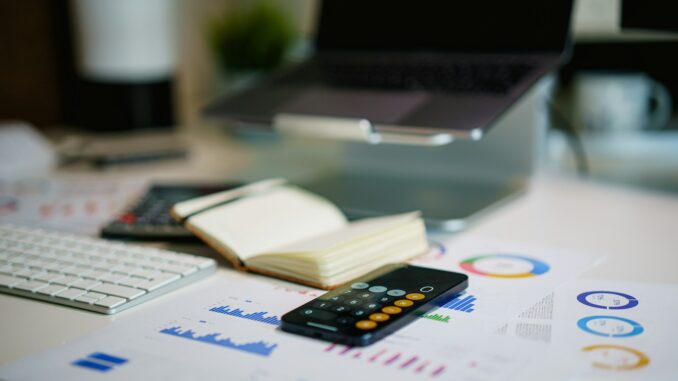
[620, 102]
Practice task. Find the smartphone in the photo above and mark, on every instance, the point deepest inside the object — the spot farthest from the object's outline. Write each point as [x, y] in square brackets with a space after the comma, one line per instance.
[375, 305]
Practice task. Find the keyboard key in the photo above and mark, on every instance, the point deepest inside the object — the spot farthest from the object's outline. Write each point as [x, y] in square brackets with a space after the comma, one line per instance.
[86, 284]
[158, 282]
[132, 281]
[31, 285]
[47, 276]
[112, 277]
[90, 297]
[110, 302]
[9, 281]
[70, 293]
[177, 269]
[66, 280]
[117, 290]
[52, 289]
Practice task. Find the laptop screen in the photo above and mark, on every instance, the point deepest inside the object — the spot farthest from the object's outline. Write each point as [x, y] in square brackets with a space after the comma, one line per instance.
[474, 26]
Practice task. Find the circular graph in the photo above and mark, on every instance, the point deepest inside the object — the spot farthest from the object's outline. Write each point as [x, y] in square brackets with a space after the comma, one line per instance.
[504, 266]
[610, 326]
[616, 357]
[607, 300]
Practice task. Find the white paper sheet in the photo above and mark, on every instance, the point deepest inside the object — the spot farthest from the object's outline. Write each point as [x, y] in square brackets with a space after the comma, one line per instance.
[606, 329]
[226, 328]
[505, 278]
[76, 205]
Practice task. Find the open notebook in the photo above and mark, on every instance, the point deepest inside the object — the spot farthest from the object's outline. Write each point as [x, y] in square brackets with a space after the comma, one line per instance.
[278, 229]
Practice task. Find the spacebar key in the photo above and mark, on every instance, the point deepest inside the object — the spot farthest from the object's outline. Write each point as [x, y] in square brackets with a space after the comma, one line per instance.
[117, 290]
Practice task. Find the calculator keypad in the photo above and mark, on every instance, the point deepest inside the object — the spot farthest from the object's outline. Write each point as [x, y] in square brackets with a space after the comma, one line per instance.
[365, 306]
[374, 305]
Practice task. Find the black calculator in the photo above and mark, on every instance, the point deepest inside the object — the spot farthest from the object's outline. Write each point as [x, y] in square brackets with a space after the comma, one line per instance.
[371, 307]
[149, 219]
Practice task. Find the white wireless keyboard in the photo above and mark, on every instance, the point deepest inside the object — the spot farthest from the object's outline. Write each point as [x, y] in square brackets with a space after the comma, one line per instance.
[90, 273]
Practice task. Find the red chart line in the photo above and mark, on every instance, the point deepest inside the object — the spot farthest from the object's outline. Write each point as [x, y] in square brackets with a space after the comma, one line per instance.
[438, 371]
[376, 356]
[421, 367]
[409, 362]
[392, 359]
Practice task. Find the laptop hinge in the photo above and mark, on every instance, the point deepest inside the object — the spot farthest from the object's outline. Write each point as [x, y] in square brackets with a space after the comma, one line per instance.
[361, 130]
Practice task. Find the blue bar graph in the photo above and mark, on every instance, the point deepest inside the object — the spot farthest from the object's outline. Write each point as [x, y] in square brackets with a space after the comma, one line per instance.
[256, 316]
[92, 365]
[100, 362]
[108, 358]
[260, 348]
[458, 303]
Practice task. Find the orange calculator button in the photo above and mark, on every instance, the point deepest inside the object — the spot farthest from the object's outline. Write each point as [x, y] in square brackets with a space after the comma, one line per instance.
[366, 324]
[415, 296]
[403, 303]
[391, 310]
[379, 317]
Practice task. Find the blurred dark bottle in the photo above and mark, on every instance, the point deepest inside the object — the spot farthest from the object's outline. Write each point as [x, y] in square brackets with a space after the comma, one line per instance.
[119, 63]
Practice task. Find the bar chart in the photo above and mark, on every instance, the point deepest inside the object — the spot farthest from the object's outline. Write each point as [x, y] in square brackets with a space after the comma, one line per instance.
[259, 316]
[260, 348]
[461, 302]
[394, 359]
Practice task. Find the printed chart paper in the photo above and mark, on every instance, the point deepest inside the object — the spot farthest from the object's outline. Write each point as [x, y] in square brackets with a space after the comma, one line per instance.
[606, 329]
[228, 327]
[505, 278]
[76, 205]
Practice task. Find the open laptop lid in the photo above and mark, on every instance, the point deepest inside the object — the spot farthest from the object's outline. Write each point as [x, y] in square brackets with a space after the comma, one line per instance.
[495, 26]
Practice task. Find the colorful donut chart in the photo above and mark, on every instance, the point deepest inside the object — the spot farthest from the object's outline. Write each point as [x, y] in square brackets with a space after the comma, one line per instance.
[637, 359]
[590, 323]
[538, 267]
[620, 301]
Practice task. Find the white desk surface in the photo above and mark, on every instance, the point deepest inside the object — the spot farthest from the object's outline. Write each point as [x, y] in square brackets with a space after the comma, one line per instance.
[636, 230]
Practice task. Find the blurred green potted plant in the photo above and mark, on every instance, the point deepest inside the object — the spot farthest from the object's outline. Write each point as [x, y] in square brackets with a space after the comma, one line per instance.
[252, 38]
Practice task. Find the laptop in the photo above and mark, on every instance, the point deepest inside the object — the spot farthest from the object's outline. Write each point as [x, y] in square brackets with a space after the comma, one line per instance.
[417, 68]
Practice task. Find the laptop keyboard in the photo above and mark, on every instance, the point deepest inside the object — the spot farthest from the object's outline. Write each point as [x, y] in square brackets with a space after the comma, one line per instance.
[453, 76]
[90, 273]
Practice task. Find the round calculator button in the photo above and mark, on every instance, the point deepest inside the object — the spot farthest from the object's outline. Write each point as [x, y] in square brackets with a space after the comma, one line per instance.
[322, 304]
[365, 295]
[345, 320]
[340, 309]
[385, 299]
[379, 317]
[372, 306]
[415, 296]
[391, 310]
[426, 289]
[395, 293]
[307, 312]
[378, 289]
[359, 313]
[336, 298]
[366, 325]
[360, 286]
[403, 303]
[353, 302]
